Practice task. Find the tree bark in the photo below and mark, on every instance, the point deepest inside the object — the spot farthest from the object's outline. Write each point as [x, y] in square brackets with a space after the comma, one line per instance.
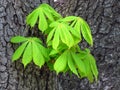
[103, 17]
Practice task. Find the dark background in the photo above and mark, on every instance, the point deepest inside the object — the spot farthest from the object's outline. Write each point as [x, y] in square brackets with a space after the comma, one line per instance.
[103, 17]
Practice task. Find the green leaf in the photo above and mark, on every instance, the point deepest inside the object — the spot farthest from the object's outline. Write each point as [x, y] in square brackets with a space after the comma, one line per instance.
[54, 24]
[52, 11]
[18, 39]
[75, 33]
[77, 28]
[65, 36]
[69, 18]
[78, 62]
[86, 32]
[55, 41]
[43, 25]
[27, 56]
[49, 37]
[19, 52]
[88, 69]
[37, 40]
[93, 66]
[53, 52]
[44, 52]
[48, 15]
[73, 23]
[38, 58]
[71, 64]
[32, 18]
[61, 63]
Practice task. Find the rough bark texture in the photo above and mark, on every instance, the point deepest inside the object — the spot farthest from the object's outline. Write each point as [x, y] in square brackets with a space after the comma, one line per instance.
[103, 17]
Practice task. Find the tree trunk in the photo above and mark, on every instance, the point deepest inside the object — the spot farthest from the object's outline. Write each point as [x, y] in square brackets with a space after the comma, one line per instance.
[103, 17]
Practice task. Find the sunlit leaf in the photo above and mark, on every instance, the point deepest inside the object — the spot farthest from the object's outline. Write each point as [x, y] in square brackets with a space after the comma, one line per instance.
[49, 37]
[79, 62]
[60, 63]
[38, 58]
[27, 56]
[71, 64]
[19, 51]
[18, 39]
[48, 15]
[53, 52]
[66, 36]
[56, 40]
[86, 32]
[44, 52]
[43, 14]
[37, 40]
[88, 69]
[93, 66]
[52, 11]
[32, 18]
[43, 25]
[69, 18]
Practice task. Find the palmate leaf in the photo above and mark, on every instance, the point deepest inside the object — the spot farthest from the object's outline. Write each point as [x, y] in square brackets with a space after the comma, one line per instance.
[38, 58]
[50, 35]
[32, 18]
[93, 66]
[32, 49]
[68, 18]
[90, 65]
[86, 32]
[19, 51]
[36, 40]
[66, 36]
[61, 63]
[18, 39]
[57, 15]
[88, 70]
[49, 15]
[78, 62]
[71, 64]
[45, 14]
[56, 39]
[27, 56]
[60, 33]
[80, 26]
[44, 52]
[43, 25]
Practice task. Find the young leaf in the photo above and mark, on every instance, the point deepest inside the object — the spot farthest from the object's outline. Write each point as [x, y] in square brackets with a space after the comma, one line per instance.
[19, 52]
[56, 40]
[18, 39]
[88, 70]
[93, 66]
[48, 15]
[27, 56]
[43, 25]
[44, 51]
[71, 64]
[49, 37]
[66, 36]
[78, 62]
[37, 40]
[38, 59]
[53, 52]
[52, 11]
[86, 32]
[32, 18]
[68, 18]
[61, 63]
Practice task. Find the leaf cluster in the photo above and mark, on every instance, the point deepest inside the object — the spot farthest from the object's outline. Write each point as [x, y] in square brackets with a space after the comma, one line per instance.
[61, 51]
